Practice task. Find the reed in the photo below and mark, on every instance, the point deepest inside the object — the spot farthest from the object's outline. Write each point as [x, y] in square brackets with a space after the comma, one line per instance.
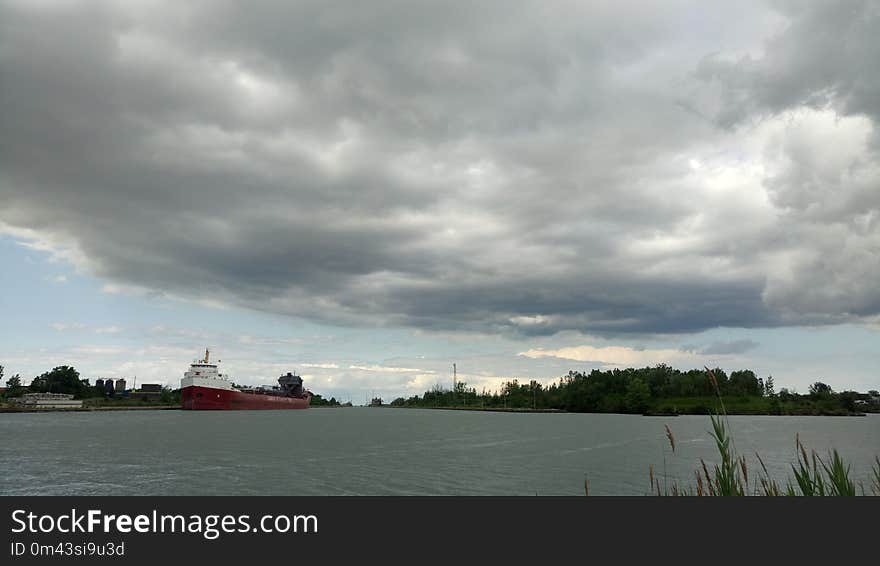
[875, 477]
[811, 474]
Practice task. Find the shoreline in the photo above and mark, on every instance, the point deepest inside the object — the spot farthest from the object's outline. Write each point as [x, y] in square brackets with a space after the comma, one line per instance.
[482, 409]
[88, 409]
[648, 414]
[485, 409]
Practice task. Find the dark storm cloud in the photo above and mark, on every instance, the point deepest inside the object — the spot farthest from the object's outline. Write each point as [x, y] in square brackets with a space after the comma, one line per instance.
[509, 166]
[828, 54]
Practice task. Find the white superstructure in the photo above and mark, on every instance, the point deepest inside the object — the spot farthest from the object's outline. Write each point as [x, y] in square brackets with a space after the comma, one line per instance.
[202, 373]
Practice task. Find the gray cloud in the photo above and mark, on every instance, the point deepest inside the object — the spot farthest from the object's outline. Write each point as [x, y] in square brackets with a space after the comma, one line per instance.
[827, 55]
[505, 167]
[732, 347]
[826, 184]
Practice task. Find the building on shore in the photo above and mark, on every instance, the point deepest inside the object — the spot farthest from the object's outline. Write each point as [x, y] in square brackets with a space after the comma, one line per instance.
[47, 401]
[148, 392]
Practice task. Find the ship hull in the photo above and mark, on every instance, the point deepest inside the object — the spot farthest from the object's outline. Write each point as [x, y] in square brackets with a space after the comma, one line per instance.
[198, 398]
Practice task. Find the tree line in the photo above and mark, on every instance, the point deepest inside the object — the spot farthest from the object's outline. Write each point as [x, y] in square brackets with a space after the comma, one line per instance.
[67, 380]
[658, 389]
[649, 390]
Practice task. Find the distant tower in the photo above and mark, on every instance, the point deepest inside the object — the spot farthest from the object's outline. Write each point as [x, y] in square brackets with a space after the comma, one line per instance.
[99, 383]
[120, 385]
[454, 377]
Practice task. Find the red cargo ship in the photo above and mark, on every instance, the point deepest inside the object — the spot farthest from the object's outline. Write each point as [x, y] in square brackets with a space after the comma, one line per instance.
[203, 387]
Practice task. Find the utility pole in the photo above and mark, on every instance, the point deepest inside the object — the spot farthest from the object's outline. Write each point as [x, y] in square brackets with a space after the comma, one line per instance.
[454, 383]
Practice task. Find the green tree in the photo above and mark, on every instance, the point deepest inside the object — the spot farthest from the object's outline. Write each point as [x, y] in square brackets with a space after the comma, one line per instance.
[62, 379]
[13, 386]
[638, 396]
[769, 390]
[820, 389]
[848, 400]
[744, 382]
[167, 395]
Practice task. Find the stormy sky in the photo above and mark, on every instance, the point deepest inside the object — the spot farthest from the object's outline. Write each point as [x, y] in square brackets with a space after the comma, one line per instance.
[570, 181]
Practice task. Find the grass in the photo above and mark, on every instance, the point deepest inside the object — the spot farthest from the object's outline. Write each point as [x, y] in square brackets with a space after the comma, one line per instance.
[875, 478]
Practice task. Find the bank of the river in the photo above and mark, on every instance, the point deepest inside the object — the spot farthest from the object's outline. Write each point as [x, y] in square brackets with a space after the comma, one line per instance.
[674, 406]
[664, 412]
[89, 409]
[488, 409]
[142, 407]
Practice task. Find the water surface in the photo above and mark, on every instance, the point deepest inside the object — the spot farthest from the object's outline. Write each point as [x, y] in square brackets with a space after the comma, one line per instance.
[363, 451]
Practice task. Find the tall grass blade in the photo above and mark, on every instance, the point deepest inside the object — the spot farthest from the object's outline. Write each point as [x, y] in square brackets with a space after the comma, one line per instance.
[875, 477]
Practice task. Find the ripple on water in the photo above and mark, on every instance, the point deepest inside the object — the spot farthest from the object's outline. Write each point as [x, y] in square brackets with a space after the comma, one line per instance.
[388, 452]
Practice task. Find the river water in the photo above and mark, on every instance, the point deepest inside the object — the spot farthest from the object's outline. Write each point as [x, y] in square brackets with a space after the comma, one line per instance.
[364, 451]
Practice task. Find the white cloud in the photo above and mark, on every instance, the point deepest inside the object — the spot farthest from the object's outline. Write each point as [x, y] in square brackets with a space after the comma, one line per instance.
[63, 326]
[109, 330]
[265, 341]
[619, 356]
[97, 350]
[387, 369]
[58, 248]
